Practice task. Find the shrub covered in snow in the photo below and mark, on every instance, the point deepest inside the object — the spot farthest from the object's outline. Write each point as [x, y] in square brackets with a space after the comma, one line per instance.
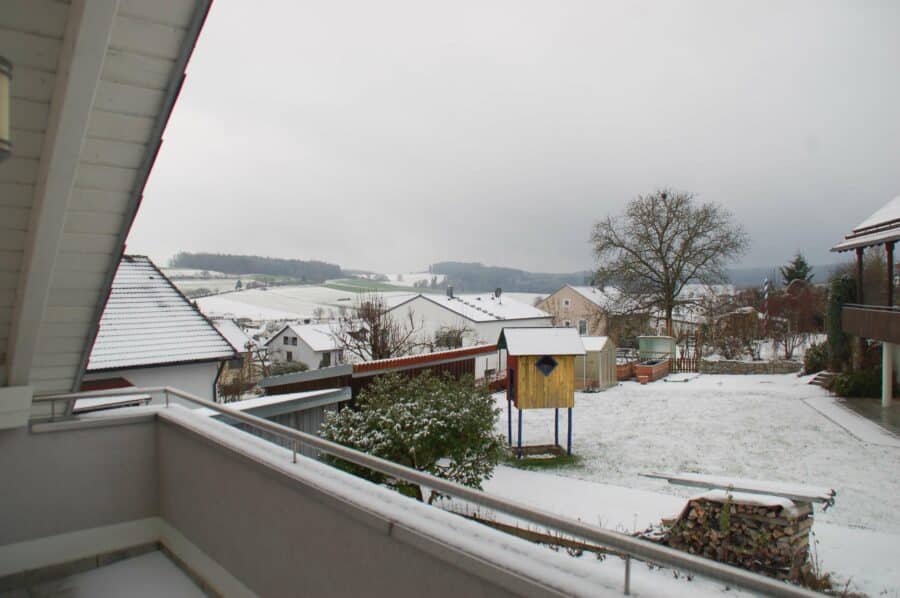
[438, 424]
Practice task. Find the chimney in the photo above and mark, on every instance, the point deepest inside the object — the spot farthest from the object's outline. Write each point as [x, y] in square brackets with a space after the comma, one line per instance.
[450, 292]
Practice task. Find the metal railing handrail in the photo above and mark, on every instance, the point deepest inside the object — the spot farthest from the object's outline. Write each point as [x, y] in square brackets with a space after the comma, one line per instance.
[888, 308]
[629, 545]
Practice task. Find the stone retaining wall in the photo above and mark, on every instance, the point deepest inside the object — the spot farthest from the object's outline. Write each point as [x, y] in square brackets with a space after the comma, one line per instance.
[750, 367]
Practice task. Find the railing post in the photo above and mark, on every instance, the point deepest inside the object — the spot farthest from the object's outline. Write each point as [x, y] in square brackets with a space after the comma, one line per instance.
[52, 410]
[166, 392]
[627, 574]
[294, 449]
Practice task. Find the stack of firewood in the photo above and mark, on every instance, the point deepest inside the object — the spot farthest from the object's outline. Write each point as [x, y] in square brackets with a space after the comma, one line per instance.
[745, 531]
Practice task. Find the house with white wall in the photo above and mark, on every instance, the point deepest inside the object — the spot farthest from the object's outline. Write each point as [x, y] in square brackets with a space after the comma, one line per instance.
[480, 317]
[152, 335]
[311, 344]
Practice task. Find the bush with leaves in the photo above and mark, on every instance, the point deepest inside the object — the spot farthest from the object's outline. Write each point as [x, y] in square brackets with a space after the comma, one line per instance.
[861, 383]
[816, 358]
[843, 290]
[437, 424]
[287, 367]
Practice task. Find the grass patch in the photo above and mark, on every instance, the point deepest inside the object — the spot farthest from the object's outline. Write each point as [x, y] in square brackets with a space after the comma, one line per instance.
[538, 463]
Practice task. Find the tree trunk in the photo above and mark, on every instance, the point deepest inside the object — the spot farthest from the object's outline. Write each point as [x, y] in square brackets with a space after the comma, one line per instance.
[670, 326]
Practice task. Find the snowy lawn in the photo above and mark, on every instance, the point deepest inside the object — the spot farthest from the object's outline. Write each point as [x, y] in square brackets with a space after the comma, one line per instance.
[757, 427]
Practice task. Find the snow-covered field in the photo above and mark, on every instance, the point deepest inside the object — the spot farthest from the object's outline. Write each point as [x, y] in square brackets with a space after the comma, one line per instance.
[738, 426]
[279, 303]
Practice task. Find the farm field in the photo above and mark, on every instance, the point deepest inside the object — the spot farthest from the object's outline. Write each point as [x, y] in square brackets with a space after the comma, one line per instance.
[759, 427]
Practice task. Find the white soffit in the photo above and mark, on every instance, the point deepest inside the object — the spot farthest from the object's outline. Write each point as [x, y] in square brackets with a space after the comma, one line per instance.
[60, 244]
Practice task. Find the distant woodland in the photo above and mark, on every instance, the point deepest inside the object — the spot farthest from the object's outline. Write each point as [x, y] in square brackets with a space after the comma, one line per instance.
[308, 271]
[474, 277]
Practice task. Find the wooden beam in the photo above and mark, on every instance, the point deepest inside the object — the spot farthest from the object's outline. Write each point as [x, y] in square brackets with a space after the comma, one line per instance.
[78, 74]
[889, 251]
[859, 276]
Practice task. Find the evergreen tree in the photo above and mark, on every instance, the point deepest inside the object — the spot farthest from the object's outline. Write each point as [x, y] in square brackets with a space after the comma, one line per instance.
[797, 269]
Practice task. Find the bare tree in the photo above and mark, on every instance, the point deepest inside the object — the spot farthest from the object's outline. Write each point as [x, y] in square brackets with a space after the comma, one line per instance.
[661, 243]
[450, 337]
[370, 331]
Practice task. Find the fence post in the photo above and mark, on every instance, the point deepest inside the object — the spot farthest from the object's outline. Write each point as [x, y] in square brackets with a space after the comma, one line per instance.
[627, 574]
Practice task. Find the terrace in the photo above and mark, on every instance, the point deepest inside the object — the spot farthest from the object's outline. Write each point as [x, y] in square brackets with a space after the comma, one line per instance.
[94, 83]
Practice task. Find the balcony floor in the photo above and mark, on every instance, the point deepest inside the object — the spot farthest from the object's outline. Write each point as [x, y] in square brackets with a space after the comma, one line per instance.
[148, 575]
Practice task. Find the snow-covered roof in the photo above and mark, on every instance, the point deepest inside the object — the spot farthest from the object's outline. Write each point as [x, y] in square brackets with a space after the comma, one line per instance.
[541, 341]
[234, 334]
[592, 294]
[881, 227]
[483, 307]
[319, 337]
[594, 343]
[147, 322]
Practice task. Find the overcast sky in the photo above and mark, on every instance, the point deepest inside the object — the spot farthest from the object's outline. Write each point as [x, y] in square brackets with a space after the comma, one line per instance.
[388, 135]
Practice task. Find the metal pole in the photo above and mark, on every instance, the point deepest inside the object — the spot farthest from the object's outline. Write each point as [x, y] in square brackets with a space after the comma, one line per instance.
[556, 426]
[627, 574]
[569, 446]
[519, 440]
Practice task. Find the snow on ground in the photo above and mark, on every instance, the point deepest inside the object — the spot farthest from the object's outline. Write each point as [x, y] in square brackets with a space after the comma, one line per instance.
[757, 427]
[866, 558]
[291, 302]
[408, 279]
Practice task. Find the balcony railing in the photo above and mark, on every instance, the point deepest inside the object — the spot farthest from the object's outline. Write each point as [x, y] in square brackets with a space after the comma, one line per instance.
[630, 547]
[879, 322]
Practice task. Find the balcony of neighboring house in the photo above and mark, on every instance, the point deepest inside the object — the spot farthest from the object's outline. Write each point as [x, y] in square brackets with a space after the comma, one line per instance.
[876, 322]
[873, 315]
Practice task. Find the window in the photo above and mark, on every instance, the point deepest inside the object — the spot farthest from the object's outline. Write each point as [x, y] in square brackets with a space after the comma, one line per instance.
[567, 323]
[326, 360]
[286, 341]
[294, 341]
[290, 356]
[582, 327]
[567, 302]
[546, 365]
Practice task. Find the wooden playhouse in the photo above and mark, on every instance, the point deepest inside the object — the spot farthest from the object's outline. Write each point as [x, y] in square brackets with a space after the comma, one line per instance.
[540, 365]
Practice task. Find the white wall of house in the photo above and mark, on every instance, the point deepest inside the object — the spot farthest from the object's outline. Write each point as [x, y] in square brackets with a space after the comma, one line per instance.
[195, 378]
[431, 317]
[296, 350]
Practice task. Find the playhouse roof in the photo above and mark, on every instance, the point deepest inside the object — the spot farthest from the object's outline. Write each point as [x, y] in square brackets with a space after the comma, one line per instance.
[541, 341]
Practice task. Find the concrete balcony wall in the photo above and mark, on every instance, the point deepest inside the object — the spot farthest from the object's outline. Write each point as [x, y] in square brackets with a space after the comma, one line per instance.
[872, 321]
[64, 481]
[285, 538]
[240, 514]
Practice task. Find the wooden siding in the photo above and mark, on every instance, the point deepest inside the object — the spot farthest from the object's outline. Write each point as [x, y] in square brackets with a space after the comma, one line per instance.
[534, 390]
[140, 64]
[875, 322]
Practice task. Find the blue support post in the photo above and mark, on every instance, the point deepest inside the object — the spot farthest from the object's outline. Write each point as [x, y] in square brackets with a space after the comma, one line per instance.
[509, 419]
[519, 440]
[556, 426]
[569, 446]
